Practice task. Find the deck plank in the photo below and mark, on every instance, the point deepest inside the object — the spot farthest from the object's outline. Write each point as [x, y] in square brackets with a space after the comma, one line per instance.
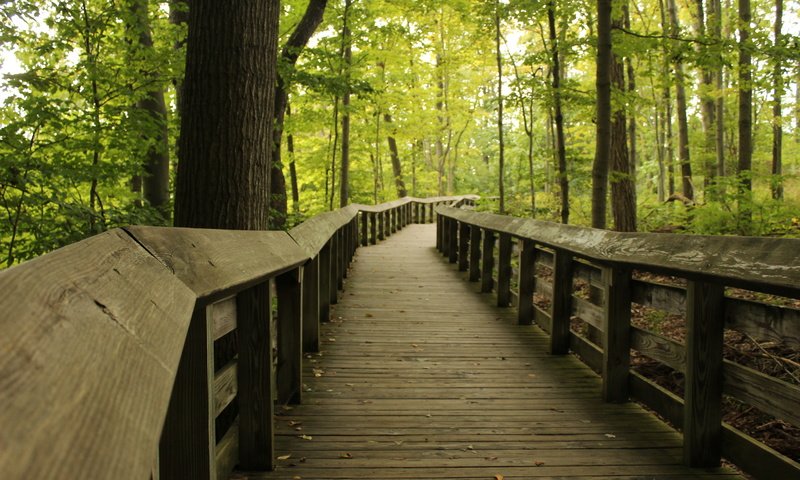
[421, 377]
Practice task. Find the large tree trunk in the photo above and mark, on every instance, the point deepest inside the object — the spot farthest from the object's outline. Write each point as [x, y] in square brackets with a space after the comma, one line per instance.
[179, 16]
[708, 108]
[777, 114]
[623, 191]
[683, 124]
[289, 55]
[292, 167]
[396, 166]
[563, 180]
[716, 22]
[500, 141]
[226, 126]
[745, 100]
[155, 181]
[602, 156]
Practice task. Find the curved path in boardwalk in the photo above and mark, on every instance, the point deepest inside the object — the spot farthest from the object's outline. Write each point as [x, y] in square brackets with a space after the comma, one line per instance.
[420, 377]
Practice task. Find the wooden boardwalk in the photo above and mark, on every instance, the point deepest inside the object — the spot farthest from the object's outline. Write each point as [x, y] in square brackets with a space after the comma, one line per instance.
[420, 378]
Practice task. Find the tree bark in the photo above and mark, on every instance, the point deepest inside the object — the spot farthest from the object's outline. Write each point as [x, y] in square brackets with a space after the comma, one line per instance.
[396, 166]
[290, 53]
[602, 156]
[718, 84]
[667, 96]
[226, 126]
[292, 167]
[155, 181]
[708, 107]
[683, 124]
[500, 141]
[344, 177]
[777, 114]
[563, 180]
[623, 191]
[745, 101]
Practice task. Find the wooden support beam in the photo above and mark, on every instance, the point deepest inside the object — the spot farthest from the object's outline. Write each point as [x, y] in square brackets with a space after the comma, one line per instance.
[373, 228]
[290, 337]
[487, 282]
[561, 302]
[702, 418]
[439, 234]
[364, 225]
[445, 222]
[311, 310]
[343, 256]
[381, 227]
[333, 293]
[463, 246]
[526, 282]
[254, 378]
[616, 337]
[504, 271]
[452, 248]
[474, 253]
[325, 275]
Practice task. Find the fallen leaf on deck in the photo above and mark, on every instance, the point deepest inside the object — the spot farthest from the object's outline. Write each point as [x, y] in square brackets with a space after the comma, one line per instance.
[345, 455]
[285, 457]
[491, 458]
[538, 464]
[297, 477]
[349, 385]
[369, 315]
[292, 423]
[414, 345]
[306, 437]
[499, 477]
[610, 435]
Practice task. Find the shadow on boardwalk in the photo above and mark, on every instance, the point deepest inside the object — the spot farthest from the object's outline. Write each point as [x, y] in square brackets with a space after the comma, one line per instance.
[422, 378]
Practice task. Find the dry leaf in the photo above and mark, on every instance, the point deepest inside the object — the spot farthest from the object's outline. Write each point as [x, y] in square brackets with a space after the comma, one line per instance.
[368, 315]
[285, 457]
[297, 477]
[499, 477]
[610, 435]
[345, 455]
[538, 464]
[306, 437]
[293, 423]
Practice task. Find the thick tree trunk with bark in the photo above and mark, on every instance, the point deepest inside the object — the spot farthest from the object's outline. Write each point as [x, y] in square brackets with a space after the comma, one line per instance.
[708, 107]
[623, 190]
[716, 23]
[226, 126]
[563, 180]
[745, 99]
[344, 177]
[292, 167]
[602, 158]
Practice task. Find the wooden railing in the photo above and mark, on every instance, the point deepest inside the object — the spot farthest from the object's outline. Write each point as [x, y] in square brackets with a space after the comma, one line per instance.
[107, 346]
[553, 259]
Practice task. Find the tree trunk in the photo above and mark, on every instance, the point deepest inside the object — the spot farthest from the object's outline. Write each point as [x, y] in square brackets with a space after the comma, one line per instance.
[623, 191]
[501, 143]
[683, 124]
[563, 180]
[396, 166]
[226, 126]
[602, 156]
[289, 55]
[179, 16]
[631, 113]
[708, 108]
[777, 114]
[344, 177]
[745, 104]
[440, 158]
[155, 181]
[292, 168]
[718, 84]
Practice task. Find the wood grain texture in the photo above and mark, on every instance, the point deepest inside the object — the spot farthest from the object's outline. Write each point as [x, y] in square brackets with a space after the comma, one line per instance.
[215, 263]
[765, 264]
[616, 333]
[90, 339]
[290, 337]
[419, 377]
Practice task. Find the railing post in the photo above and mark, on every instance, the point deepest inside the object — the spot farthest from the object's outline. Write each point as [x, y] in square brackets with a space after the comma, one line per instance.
[256, 430]
[440, 235]
[431, 213]
[334, 285]
[387, 224]
[311, 310]
[364, 235]
[394, 220]
[702, 412]
[452, 249]
[421, 212]
[504, 271]
[188, 439]
[325, 275]
[341, 258]
[290, 337]
[445, 222]
[562, 302]
[526, 282]
[373, 228]
[474, 253]
[381, 228]
[463, 246]
[487, 282]
[616, 333]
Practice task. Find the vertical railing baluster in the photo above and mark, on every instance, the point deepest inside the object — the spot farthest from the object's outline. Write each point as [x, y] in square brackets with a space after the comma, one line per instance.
[487, 281]
[290, 337]
[452, 236]
[445, 222]
[463, 246]
[526, 282]
[561, 302]
[616, 332]
[364, 234]
[254, 378]
[474, 253]
[325, 275]
[504, 271]
[311, 308]
[702, 412]
[373, 228]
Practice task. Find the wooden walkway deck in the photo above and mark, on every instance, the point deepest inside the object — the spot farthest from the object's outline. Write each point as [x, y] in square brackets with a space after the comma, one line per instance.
[420, 378]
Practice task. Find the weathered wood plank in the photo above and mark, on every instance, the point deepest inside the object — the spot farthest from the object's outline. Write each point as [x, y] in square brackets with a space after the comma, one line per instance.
[561, 303]
[91, 331]
[225, 387]
[223, 317]
[616, 333]
[487, 281]
[290, 337]
[504, 271]
[228, 452]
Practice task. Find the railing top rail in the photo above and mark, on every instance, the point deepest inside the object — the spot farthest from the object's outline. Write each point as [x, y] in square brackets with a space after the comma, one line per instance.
[766, 264]
[405, 200]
